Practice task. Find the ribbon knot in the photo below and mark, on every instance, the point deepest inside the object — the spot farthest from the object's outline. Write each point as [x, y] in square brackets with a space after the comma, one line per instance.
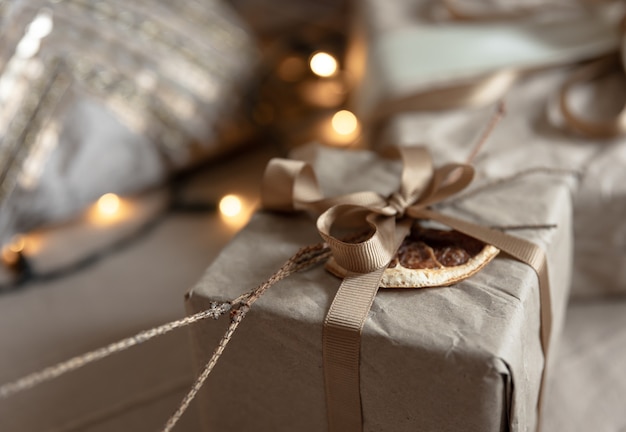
[291, 185]
[397, 205]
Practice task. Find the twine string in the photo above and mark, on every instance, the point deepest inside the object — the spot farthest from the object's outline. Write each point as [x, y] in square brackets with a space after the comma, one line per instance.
[239, 307]
[51, 372]
[304, 258]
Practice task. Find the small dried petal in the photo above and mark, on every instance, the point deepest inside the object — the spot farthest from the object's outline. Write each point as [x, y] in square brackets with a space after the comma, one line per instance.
[217, 309]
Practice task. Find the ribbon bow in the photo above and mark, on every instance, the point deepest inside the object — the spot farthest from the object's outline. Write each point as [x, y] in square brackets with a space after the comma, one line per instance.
[292, 186]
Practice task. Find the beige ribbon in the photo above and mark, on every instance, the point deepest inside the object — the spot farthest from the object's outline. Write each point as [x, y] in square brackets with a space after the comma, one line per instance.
[603, 128]
[291, 186]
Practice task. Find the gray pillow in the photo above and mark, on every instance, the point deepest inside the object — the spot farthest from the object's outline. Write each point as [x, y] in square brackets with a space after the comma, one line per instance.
[111, 96]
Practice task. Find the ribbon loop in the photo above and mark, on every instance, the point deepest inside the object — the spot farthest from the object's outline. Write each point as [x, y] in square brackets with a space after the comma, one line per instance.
[604, 128]
[417, 169]
[366, 256]
[288, 185]
[446, 181]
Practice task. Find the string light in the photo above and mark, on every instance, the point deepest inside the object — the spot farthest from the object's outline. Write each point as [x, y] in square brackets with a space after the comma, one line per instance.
[344, 122]
[9, 258]
[323, 64]
[17, 244]
[12, 251]
[109, 209]
[230, 206]
[108, 204]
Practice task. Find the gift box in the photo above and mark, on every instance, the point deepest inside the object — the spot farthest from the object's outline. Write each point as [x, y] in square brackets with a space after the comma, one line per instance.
[463, 357]
[531, 140]
[420, 54]
[533, 134]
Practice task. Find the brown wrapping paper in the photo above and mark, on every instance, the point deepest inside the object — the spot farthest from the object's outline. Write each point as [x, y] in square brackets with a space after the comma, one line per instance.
[530, 136]
[466, 357]
[533, 133]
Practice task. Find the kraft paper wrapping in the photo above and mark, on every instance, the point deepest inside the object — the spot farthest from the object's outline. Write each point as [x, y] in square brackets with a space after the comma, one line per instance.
[465, 357]
[531, 135]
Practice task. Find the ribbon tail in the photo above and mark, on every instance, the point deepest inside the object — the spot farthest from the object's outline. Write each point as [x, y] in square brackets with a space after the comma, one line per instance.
[342, 346]
[342, 343]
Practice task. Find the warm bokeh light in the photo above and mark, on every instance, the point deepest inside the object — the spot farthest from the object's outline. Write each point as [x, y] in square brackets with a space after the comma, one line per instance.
[11, 252]
[9, 257]
[230, 206]
[108, 204]
[17, 244]
[344, 122]
[110, 209]
[340, 130]
[323, 64]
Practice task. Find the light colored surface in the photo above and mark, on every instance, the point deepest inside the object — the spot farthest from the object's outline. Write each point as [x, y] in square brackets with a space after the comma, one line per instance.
[432, 359]
[588, 388]
[126, 292]
[410, 51]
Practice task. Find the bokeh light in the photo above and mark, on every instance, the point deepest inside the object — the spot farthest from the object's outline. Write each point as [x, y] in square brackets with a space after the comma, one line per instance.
[108, 204]
[323, 64]
[230, 205]
[344, 122]
[17, 244]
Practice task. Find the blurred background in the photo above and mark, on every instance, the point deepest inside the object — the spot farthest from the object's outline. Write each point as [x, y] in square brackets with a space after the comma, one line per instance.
[133, 136]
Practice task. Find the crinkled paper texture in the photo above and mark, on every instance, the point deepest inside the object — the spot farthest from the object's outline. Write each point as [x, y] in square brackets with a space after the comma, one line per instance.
[531, 135]
[465, 357]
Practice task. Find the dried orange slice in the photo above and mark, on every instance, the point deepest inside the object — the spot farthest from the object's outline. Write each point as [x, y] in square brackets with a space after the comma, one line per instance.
[431, 258]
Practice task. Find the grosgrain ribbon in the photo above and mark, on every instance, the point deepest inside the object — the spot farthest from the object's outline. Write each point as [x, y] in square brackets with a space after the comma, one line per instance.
[291, 186]
[602, 128]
